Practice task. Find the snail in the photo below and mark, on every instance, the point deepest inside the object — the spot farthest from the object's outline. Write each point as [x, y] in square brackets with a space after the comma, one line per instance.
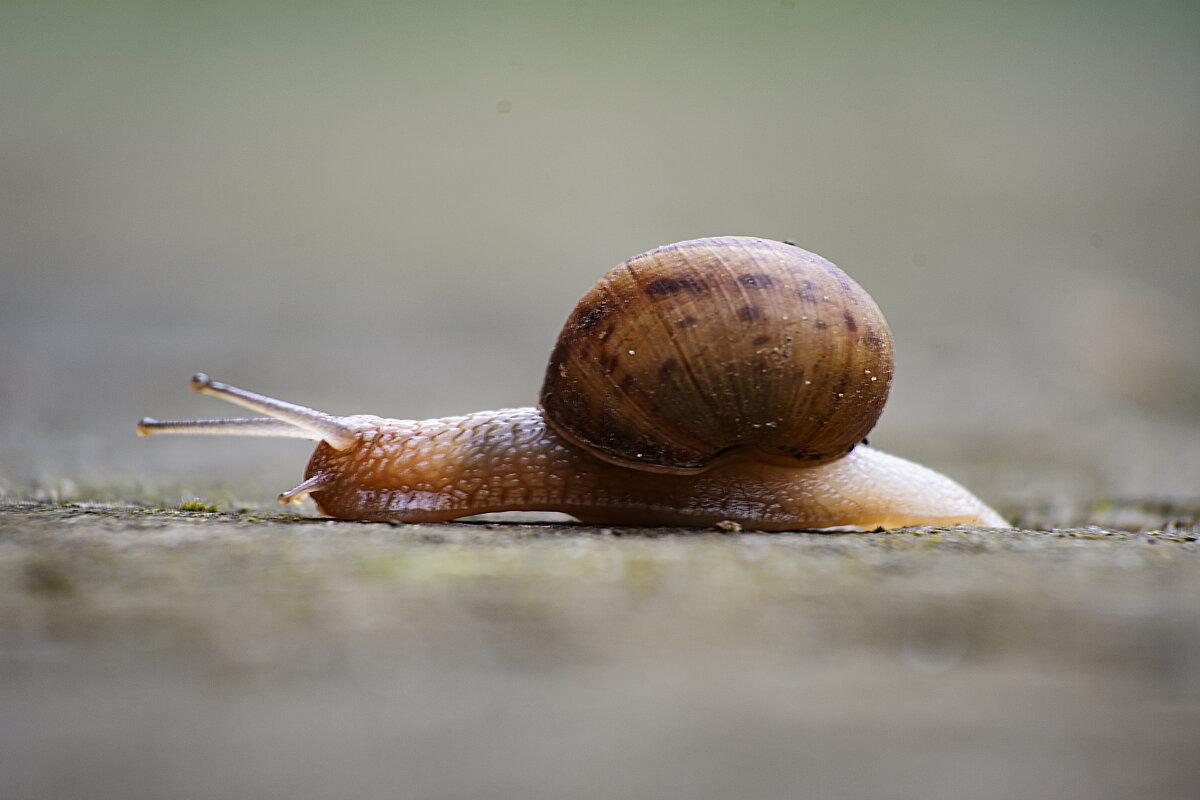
[714, 381]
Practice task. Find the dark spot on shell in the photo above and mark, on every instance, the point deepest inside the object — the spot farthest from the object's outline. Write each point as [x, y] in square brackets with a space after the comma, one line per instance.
[799, 453]
[851, 323]
[621, 439]
[668, 367]
[570, 402]
[590, 317]
[626, 383]
[606, 333]
[756, 280]
[842, 278]
[820, 324]
[686, 322]
[759, 341]
[669, 286]
[872, 339]
[749, 313]
[585, 353]
[608, 364]
[559, 354]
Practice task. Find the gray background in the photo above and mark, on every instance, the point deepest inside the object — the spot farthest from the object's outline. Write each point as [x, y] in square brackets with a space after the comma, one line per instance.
[390, 208]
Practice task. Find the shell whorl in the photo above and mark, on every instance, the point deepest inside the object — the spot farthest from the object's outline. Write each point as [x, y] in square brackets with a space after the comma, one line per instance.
[720, 348]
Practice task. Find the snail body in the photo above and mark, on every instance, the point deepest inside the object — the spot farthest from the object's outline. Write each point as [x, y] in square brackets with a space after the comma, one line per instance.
[717, 380]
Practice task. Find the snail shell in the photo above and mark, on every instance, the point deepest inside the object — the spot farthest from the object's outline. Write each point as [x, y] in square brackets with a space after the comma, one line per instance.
[724, 347]
[725, 379]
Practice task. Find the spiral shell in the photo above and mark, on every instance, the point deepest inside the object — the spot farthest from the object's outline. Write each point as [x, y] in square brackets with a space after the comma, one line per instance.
[721, 348]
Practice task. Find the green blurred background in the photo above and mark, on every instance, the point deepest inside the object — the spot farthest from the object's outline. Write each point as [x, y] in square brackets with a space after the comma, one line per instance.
[391, 207]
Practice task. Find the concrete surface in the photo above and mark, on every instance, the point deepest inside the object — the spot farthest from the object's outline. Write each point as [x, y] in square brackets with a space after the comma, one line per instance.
[167, 653]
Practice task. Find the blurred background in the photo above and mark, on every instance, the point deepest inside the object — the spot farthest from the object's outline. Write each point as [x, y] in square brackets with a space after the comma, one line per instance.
[391, 207]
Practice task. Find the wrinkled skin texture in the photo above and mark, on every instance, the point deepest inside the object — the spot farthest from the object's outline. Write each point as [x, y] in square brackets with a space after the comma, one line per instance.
[510, 460]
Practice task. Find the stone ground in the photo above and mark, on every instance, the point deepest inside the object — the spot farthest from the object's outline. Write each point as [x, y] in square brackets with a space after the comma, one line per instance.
[192, 653]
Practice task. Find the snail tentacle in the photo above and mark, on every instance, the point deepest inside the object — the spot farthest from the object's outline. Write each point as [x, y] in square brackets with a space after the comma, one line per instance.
[256, 426]
[287, 420]
[339, 432]
[298, 493]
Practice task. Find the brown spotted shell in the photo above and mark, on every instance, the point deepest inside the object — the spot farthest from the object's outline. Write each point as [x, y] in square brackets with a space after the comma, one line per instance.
[729, 345]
